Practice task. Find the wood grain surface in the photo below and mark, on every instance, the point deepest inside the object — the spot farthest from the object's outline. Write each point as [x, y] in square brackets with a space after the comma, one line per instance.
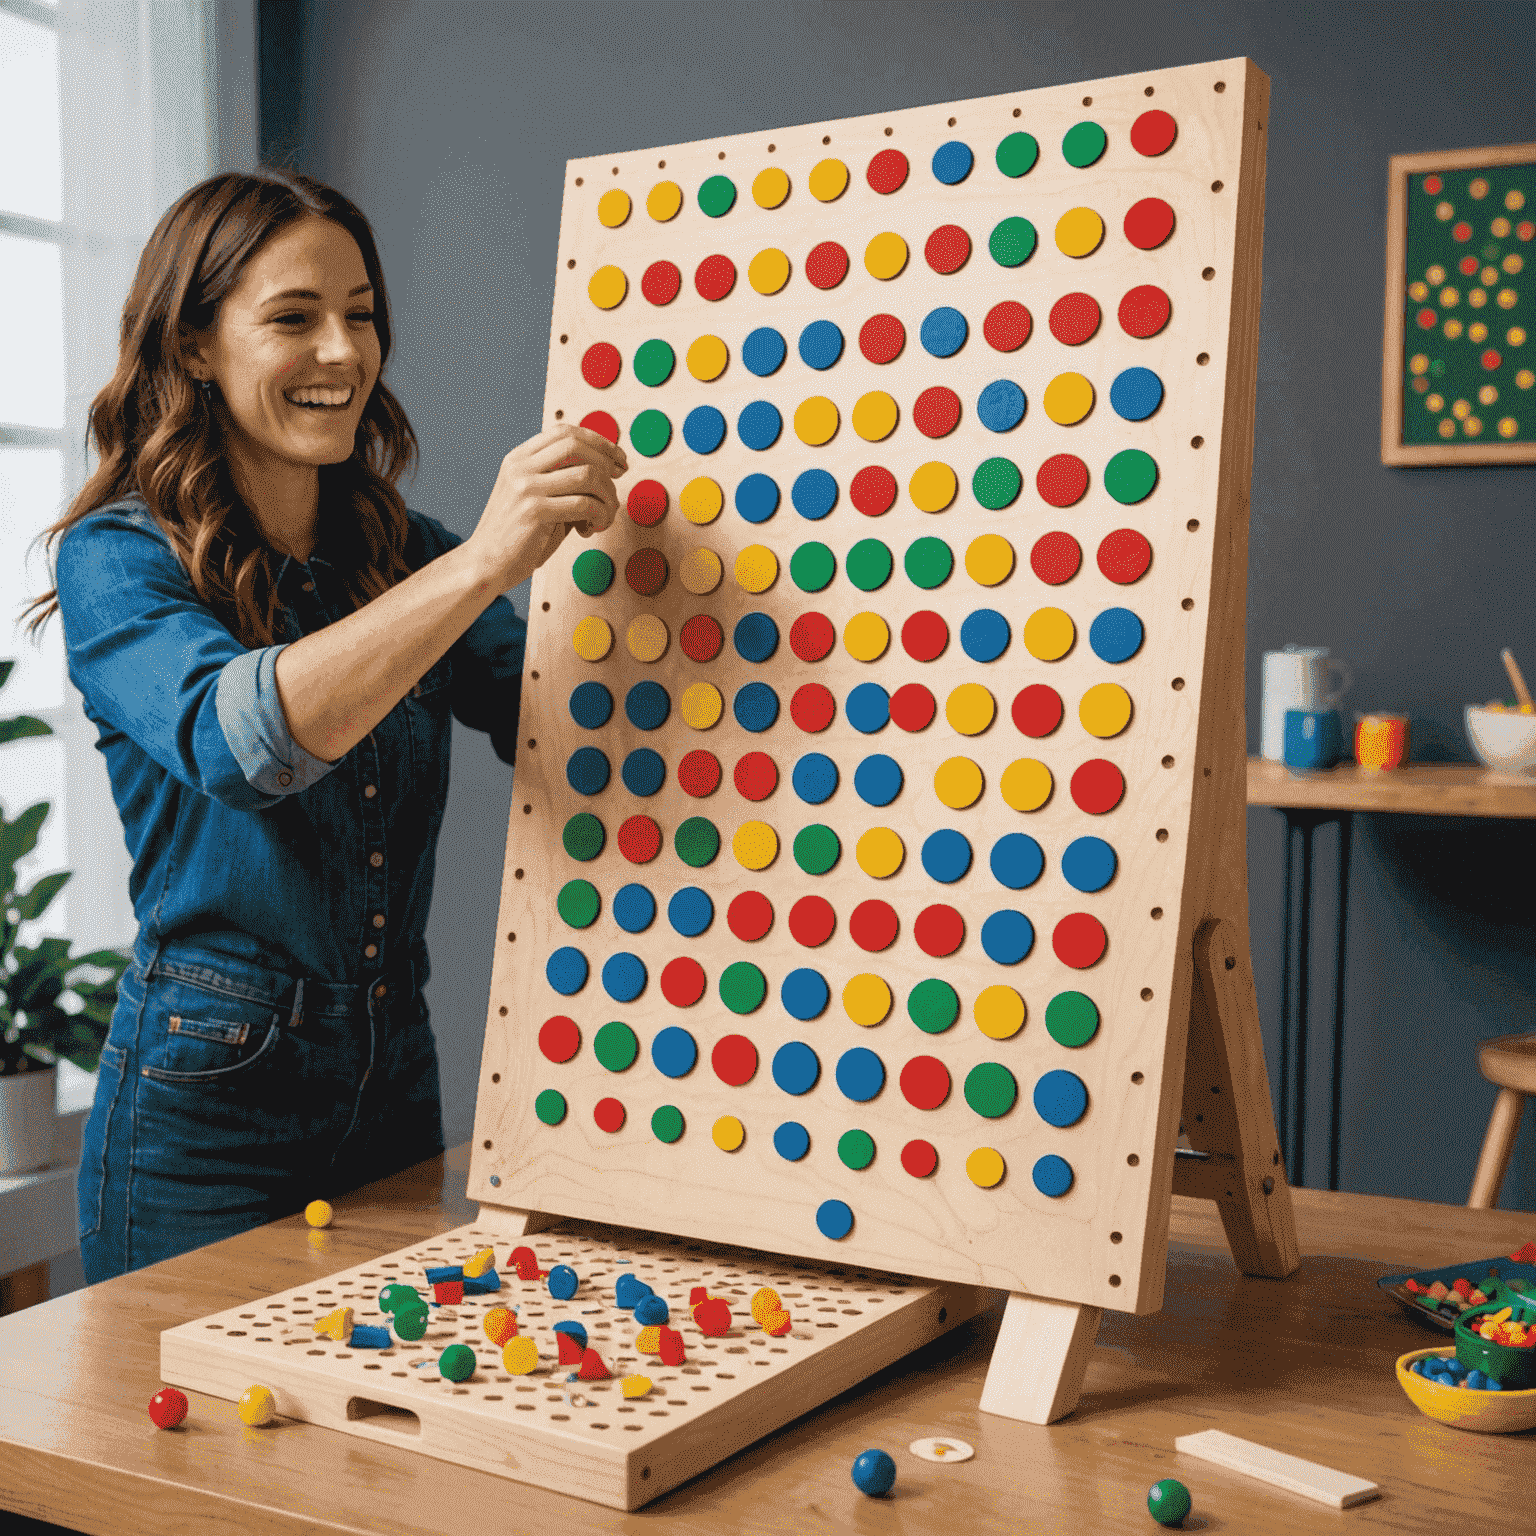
[1415, 789]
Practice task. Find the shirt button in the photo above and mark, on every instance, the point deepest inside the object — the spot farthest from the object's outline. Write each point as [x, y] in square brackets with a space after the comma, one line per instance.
[309, 586]
[369, 791]
[380, 990]
[371, 951]
[375, 859]
[285, 779]
[378, 919]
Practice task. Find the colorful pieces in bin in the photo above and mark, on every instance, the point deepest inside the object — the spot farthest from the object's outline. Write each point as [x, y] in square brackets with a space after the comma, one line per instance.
[572, 1341]
[592, 1367]
[1502, 1327]
[769, 1314]
[1450, 1372]
[672, 1347]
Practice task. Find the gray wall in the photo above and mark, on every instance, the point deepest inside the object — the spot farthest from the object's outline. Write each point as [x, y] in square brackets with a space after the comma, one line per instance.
[450, 123]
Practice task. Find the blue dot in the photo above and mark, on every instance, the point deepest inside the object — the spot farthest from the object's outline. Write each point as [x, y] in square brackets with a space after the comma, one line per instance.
[624, 977]
[703, 429]
[647, 705]
[634, 908]
[643, 772]
[868, 708]
[691, 911]
[943, 331]
[877, 780]
[952, 162]
[984, 635]
[764, 351]
[566, 970]
[1136, 393]
[860, 1074]
[791, 1141]
[1000, 406]
[805, 994]
[759, 425]
[1088, 864]
[1053, 1175]
[814, 494]
[815, 778]
[1061, 1098]
[587, 771]
[1017, 861]
[1115, 635]
[946, 855]
[757, 498]
[756, 637]
[834, 1219]
[591, 705]
[756, 707]
[1007, 937]
[796, 1067]
[674, 1052]
[821, 344]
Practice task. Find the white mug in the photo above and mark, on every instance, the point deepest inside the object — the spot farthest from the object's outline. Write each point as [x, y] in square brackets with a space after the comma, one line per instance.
[1297, 678]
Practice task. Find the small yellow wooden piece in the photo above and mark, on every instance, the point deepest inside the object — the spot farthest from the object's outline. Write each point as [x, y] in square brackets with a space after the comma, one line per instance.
[999, 1012]
[866, 636]
[880, 852]
[648, 1340]
[1078, 232]
[885, 256]
[608, 287]
[970, 708]
[770, 187]
[592, 638]
[664, 200]
[867, 999]
[318, 1213]
[257, 1406]
[1026, 784]
[875, 416]
[1105, 710]
[647, 638]
[635, 1386]
[706, 359]
[768, 271]
[757, 568]
[764, 1300]
[481, 1262]
[985, 1166]
[958, 782]
[336, 1325]
[756, 845]
[700, 571]
[933, 486]
[1068, 398]
[1048, 634]
[816, 420]
[828, 180]
[700, 705]
[520, 1356]
[728, 1133]
[613, 208]
[989, 559]
[701, 500]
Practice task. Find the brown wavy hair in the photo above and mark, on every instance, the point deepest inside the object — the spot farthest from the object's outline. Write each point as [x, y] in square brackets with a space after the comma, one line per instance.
[156, 435]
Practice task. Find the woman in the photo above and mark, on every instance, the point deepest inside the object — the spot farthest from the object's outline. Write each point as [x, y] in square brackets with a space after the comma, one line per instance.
[271, 644]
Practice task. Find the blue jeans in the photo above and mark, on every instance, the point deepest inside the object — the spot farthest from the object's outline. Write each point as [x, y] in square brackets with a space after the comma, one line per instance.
[231, 1095]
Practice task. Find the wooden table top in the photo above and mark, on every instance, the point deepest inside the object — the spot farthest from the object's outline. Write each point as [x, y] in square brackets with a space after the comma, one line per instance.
[1415, 789]
[1302, 1365]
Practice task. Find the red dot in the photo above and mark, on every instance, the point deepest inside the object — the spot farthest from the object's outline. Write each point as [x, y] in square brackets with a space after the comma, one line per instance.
[1079, 940]
[1124, 556]
[881, 338]
[887, 171]
[646, 572]
[639, 839]
[661, 283]
[812, 707]
[948, 248]
[925, 635]
[1490, 359]
[1153, 132]
[873, 925]
[600, 364]
[827, 265]
[1461, 230]
[1148, 223]
[750, 916]
[1526, 229]
[811, 636]
[1055, 558]
[936, 412]
[919, 1158]
[701, 637]
[1062, 479]
[603, 424]
[912, 707]
[938, 930]
[1432, 184]
[924, 1084]
[1468, 265]
[1144, 311]
[734, 1059]
[873, 490]
[715, 277]
[647, 503]
[1007, 326]
[756, 776]
[1097, 786]
[609, 1115]
[1426, 319]
[699, 774]
[1074, 318]
[682, 982]
[1037, 709]
[559, 1039]
[811, 921]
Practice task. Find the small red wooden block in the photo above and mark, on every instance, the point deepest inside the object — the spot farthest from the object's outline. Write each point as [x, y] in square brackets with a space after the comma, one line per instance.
[449, 1291]
[571, 1348]
[713, 1317]
[592, 1367]
[671, 1347]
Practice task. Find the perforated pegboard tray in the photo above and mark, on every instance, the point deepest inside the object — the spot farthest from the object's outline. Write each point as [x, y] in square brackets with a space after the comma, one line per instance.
[731, 1391]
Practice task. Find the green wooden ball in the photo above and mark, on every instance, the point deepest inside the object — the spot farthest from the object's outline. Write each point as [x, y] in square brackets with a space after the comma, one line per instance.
[1168, 1501]
[457, 1362]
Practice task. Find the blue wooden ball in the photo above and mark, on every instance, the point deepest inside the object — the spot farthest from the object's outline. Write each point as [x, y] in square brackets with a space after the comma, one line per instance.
[562, 1282]
[874, 1473]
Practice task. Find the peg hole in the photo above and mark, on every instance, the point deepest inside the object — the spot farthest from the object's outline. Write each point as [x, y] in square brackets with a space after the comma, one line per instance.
[1157, 913]
[1193, 525]
[1215, 186]
[1162, 834]
[578, 181]
[1208, 273]
[545, 607]
[661, 165]
[533, 741]
[1017, 111]
[615, 170]
[534, 676]
[722, 154]
[502, 1012]
[511, 938]
[527, 810]
[951, 122]
[1230, 962]
[486, 1145]
[1146, 994]
[1269, 1185]
[889, 131]
[495, 1077]
[1115, 1237]
[1167, 762]
[571, 263]
[1136, 1077]
[517, 874]
[1147, 92]
[1132, 1161]
[1221, 85]
[1114, 1279]
[559, 415]
[564, 339]
[1178, 685]
[1087, 101]
[1197, 442]
[826, 138]
[1203, 358]
[1187, 604]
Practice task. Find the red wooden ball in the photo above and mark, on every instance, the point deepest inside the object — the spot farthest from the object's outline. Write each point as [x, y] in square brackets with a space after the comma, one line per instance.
[168, 1407]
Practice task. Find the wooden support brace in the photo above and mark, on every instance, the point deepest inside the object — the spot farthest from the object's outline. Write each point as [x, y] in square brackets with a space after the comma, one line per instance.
[1039, 1360]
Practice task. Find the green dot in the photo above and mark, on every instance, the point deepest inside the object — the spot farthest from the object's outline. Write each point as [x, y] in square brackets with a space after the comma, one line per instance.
[667, 1123]
[856, 1148]
[868, 565]
[1012, 243]
[742, 987]
[1130, 475]
[717, 196]
[697, 841]
[929, 562]
[583, 836]
[550, 1107]
[933, 1005]
[615, 1046]
[578, 903]
[1437, 367]
[650, 432]
[592, 572]
[990, 1089]
[816, 848]
[1071, 1018]
[1017, 154]
[996, 483]
[1083, 144]
[457, 1362]
[812, 566]
[654, 362]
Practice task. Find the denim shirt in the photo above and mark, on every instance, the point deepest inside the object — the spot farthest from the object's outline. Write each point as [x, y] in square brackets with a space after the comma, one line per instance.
[243, 842]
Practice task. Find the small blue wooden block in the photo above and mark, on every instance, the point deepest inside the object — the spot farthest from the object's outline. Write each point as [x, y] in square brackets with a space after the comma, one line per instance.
[439, 1272]
[482, 1285]
[364, 1337]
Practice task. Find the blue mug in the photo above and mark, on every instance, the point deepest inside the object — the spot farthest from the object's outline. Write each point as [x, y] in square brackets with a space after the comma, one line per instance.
[1314, 739]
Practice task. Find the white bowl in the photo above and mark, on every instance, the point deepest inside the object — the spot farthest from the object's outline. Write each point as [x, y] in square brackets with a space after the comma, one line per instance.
[1503, 739]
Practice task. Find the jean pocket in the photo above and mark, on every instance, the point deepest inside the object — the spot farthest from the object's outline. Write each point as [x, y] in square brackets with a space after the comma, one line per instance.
[199, 1034]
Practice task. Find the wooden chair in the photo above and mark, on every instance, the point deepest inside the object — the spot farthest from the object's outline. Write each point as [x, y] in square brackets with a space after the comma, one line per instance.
[1510, 1062]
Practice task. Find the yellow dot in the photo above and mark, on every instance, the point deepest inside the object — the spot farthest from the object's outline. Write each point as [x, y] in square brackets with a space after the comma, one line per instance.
[865, 636]
[866, 999]
[1478, 187]
[999, 1012]
[757, 568]
[613, 208]
[1507, 298]
[647, 638]
[768, 271]
[1435, 274]
[707, 358]
[1436, 402]
[1500, 227]
[318, 1213]
[985, 1167]
[1515, 336]
[932, 486]
[828, 180]
[1452, 329]
[1026, 784]
[520, 1356]
[1488, 276]
[1477, 298]
[989, 559]
[701, 705]
[700, 571]
[1461, 410]
[885, 256]
[880, 852]
[1477, 331]
[608, 287]
[969, 709]
[1048, 634]
[1447, 427]
[1444, 211]
[1418, 363]
[1450, 297]
[1514, 200]
[1472, 426]
[815, 420]
[592, 638]
[257, 1406]
[1068, 398]
[875, 416]
[665, 198]
[770, 187]
[1508, 426]
[1418, 291]
[1105, 710]
[1513, 263]
[1078, 232]
[1487, 395]
[728, 1133]
[756, 845]
[958, 782]
[701, 500]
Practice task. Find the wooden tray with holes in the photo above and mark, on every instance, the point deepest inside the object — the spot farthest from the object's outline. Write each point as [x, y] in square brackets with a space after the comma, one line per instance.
[581, 1438]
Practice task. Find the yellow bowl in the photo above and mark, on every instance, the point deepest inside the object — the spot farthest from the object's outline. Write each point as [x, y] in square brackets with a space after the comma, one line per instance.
[1489, 1413]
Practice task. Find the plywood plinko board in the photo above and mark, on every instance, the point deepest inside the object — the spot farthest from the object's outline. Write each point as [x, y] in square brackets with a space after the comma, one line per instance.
[1018, 342]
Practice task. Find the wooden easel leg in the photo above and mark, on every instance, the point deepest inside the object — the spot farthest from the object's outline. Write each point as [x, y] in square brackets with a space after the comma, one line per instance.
[516, 1222]
[1039, 1359]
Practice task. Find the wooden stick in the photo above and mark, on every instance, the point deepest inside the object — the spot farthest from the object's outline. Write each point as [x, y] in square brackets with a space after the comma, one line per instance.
[1521, 691]
[1309, 1478]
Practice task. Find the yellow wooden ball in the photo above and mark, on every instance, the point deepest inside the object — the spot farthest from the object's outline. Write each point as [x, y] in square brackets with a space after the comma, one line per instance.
[318, 1214]
[257, 1406]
